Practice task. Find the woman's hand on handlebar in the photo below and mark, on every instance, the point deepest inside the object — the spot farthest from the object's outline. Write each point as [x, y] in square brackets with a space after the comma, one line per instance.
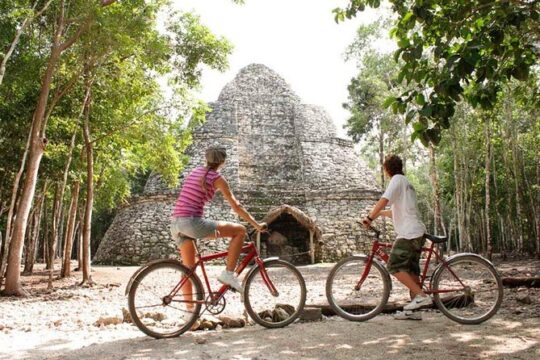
[261, 227]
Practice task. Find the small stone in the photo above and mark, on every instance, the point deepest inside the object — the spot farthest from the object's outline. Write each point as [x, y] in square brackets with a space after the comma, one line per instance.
[57, 323]
[525, 300]
[229, 322]
[126, 316]
[311, 314]
[105, 321]
[156, 316]
[200, 340]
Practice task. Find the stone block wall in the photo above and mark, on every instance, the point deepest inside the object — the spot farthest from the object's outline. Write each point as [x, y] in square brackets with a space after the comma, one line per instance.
[280, 151]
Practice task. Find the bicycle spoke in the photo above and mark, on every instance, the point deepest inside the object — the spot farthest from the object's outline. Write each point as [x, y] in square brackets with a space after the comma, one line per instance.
[346, 300]
[275, 310]
[160, 315]
[480, 297]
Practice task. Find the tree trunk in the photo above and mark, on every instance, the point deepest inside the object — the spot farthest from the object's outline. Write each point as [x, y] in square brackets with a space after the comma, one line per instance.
[462, 233]
[12, 206]
[57, 212]
[439, 227]
[86, 227]
[537, 215]
[37, 145]
[79, 244]
[51, 243]
[68, 240]
[381, 162]
[30, 257]
[434, 177]
[489, 240]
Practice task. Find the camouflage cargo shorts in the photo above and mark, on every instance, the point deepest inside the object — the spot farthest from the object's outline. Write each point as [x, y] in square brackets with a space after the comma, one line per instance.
[405, 256]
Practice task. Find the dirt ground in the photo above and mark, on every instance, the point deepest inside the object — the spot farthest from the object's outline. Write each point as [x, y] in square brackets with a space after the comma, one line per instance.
[60, 324]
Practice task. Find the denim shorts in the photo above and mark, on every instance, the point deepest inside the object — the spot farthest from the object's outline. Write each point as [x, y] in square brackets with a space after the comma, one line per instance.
[191, 227]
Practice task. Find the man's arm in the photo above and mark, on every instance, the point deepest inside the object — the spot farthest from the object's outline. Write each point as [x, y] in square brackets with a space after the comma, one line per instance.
[378, 210]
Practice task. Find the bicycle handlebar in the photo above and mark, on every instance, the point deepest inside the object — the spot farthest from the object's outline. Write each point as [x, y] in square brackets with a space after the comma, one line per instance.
[253, 231]
[376, 231]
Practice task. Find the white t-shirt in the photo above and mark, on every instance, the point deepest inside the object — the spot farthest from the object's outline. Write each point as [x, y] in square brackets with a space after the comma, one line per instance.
[402, 199]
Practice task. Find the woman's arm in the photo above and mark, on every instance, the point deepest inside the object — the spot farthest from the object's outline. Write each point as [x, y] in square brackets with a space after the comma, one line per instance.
[222, 185]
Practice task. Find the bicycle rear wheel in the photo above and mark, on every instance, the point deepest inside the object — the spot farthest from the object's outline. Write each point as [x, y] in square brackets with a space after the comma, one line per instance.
[357, 304]
[275, 311]
[472, 290]
[153, 311]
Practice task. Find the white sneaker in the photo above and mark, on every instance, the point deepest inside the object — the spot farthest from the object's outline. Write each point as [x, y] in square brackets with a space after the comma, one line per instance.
[407, 315]
[418, 302]
[228, 278]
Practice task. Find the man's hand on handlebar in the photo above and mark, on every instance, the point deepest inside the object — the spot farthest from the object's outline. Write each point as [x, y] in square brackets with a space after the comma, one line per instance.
[366, 223]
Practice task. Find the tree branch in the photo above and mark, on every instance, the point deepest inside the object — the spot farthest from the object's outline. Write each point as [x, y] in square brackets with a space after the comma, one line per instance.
[131, 123]
[107, 2]
[69, 42]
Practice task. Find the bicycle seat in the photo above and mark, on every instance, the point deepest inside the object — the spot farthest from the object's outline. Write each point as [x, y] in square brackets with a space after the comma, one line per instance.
[436, 239]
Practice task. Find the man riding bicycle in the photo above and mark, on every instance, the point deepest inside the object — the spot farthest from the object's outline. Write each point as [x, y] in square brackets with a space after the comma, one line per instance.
[404, 262]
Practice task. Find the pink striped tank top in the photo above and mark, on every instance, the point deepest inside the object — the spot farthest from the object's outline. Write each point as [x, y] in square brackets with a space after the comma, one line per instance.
[192, 198]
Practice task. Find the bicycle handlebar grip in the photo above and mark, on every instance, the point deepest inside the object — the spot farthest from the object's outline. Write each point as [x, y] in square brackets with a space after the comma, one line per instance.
[377, 232]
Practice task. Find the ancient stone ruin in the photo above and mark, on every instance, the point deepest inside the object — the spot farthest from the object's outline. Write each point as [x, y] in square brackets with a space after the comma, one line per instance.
[285, 164]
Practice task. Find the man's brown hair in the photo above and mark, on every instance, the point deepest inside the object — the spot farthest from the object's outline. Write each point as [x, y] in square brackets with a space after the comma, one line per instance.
[393, 165]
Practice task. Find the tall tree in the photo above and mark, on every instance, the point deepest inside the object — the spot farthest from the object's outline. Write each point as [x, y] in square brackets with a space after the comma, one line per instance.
[63, 38]
[456, 49]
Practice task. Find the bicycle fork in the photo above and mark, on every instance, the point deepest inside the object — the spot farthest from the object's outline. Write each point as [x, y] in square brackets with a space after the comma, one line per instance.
[266, 278]
[364, 275]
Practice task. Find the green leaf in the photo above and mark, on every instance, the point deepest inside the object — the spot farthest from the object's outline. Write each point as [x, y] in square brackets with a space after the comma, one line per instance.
[419, 127]
[521, 72]
[420, 100]
[388, 102]
[426, 110]
[410, 115]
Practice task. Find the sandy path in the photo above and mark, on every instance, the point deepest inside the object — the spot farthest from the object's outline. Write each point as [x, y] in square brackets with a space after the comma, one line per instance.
[58, 324]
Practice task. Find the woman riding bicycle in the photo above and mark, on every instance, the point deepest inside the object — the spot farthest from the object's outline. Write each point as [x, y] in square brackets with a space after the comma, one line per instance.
[199, 188]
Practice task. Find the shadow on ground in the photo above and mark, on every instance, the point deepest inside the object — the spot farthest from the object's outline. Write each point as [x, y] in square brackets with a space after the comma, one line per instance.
[382, 338]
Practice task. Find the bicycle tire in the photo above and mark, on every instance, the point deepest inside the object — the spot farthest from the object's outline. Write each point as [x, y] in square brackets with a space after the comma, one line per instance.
[452, 308]
[355, 312]
[139, 278]
[250, 295]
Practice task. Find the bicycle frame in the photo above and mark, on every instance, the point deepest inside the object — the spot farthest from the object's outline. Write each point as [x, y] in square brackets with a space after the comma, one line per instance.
[377, 251]
[248, 249]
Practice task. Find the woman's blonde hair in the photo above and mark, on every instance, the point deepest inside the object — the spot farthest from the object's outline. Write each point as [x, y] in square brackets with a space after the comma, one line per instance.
[214, 158]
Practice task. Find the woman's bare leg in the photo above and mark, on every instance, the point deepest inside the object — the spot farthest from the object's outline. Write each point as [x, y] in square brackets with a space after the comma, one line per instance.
[237, 233]
[187, 251]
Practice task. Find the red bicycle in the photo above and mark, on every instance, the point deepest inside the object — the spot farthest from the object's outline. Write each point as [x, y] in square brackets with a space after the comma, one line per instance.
[465, 287]
[166, 297]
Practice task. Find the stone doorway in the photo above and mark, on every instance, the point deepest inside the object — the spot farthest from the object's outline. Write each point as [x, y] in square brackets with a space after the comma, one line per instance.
[293, 236]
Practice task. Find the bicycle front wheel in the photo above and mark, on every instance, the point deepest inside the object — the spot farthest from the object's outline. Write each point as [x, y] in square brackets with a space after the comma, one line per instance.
[154, 310]
[279, 309]
[350, 301]
[467, 289]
